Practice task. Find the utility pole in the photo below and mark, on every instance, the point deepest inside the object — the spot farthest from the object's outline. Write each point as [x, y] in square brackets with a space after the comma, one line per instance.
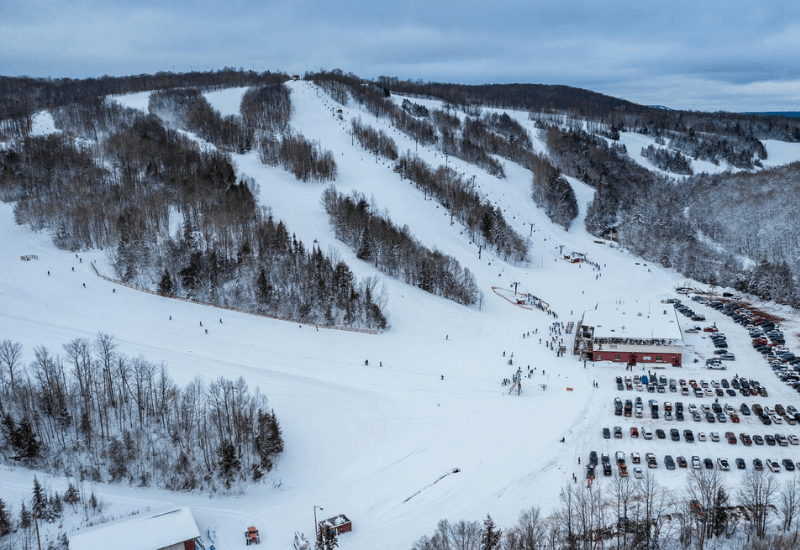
[38, 537]
[479, 252]
[515, 283]
[316, 525]
[531, 229]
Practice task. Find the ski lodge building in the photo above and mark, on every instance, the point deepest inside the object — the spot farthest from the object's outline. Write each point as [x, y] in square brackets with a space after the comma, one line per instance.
[173, 529]
[623, 333]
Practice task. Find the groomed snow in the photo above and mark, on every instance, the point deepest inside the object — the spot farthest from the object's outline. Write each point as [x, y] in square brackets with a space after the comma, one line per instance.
[43, 124]
[361, 439]
[227, 101]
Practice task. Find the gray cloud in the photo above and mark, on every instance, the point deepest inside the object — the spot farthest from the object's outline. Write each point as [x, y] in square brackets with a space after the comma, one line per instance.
[732, 55]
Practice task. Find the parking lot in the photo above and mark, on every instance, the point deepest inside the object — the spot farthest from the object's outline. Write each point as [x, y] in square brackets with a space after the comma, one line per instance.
[732, 414]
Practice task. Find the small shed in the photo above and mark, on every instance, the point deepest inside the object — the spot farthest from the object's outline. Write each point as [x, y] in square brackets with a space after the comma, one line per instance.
[339, 524]
[171, 529]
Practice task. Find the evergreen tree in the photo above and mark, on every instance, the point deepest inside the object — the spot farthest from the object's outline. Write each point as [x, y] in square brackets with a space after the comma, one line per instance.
[228, 462]
[25, 519]
[93, 501]
[39, 501]
[331, 541]
[490, 534]
[71, 496]
[364, 251]
[5, 520]
[165, 285]
[319, 543]
[720, 520]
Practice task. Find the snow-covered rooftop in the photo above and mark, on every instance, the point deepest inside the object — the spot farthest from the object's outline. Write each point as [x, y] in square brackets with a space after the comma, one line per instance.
[142, 532]
[634, 321]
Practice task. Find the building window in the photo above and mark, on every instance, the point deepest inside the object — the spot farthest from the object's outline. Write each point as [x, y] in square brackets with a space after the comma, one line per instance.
[597, 357]
[616, 358]
[647, 358]
[658, 358]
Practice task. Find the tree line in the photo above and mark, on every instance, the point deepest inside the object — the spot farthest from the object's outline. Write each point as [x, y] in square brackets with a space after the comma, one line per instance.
[667, 160]
[642, 515]
[375, 141]
[20, 530]
[486, 224]
[96, 414]
[395, 251]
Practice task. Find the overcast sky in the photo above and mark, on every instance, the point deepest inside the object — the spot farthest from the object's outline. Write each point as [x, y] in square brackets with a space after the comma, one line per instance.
[709, 55]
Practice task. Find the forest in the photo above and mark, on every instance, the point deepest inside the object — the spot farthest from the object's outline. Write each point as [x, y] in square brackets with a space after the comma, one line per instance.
[762, 514]
[95, 414]
[393, 250]
[118, 188]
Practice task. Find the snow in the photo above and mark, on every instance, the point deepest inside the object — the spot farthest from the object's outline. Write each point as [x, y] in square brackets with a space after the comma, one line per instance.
[644, 322]
[138, 100]
[634, 143]
[141, 532]
[43, 124]
[375, 442]
[780, 152]
[227, 101]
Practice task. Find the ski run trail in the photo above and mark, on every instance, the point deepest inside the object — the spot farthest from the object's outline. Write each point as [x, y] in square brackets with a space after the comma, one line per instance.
[381, 443]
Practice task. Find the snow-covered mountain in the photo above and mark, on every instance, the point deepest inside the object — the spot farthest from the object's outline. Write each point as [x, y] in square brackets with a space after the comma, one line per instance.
[403, 428]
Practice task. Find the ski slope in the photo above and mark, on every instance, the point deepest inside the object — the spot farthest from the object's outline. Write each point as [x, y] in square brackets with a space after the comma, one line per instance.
[371, 440]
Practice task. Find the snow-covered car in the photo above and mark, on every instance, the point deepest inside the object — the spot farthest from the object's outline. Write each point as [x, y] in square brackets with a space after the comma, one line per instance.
[722, 464]
[637, 473]
[636, 458]
[651, 460]
[696, 462]
[701, 436]
[620, 457]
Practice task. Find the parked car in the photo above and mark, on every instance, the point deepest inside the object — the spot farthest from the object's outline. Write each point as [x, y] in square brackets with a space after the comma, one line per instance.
[593, 458]
[660, 434]
[722, 464]
[651, 460]
[740, 464]
[696, 462]
[731, 437]
[674, 434]
[637, 473]
[758, 440]
[773, 465]
[682, 461]
[620, 457]
[606, 470]
[701, 436]
[606, 433]
[757, 464]
[646, 433]
[708, 463]
[715, 436]
[745, 439]
[788, 465]
[636, 458]
[634, 431]
[617, 432]
[688, 436]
